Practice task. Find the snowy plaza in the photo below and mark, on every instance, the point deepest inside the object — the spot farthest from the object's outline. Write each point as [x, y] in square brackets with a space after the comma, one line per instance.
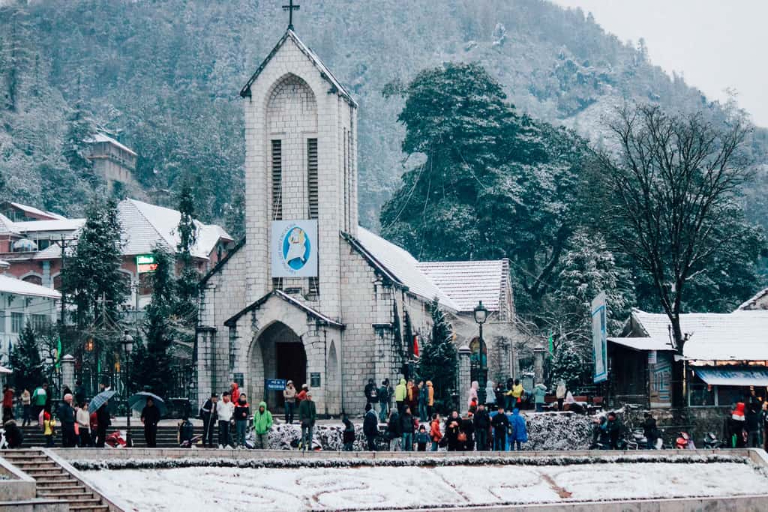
[414, 487]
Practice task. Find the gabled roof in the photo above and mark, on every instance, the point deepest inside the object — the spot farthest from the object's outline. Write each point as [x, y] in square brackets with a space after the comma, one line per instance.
[324, 320]
[146, 226]
[467, 282]
[7, 226]
[102, 137]
[325, 73]
[18, 287]
[753, 303]
[36, 211]
[399, 263]
[38, 226]
[738, 336]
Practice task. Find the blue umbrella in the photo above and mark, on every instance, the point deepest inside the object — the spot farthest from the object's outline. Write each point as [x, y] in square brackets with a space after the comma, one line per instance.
[101, 399]
[138, 401]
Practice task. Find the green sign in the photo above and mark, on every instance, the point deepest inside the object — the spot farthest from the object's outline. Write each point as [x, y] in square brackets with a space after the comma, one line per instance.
[145, 263]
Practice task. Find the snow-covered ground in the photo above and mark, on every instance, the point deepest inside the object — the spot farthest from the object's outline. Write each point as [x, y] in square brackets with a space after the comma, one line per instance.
[364, 488]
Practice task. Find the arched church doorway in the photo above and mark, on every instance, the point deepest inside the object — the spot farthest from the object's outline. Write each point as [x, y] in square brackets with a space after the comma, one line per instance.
[277, 353]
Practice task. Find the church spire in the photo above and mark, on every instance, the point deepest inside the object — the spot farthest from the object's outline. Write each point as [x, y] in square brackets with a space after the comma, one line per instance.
[290, 8]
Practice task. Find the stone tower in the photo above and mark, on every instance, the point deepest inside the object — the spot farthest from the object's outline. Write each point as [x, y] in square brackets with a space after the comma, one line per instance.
[300, 164]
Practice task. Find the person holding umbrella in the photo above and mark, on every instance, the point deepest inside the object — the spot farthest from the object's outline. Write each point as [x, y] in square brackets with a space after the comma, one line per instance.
[150, 417]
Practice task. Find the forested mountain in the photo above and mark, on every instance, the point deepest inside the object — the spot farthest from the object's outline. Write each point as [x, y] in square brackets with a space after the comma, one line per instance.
[163, 76]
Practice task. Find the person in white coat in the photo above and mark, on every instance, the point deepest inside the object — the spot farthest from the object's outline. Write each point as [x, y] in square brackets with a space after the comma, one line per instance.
[225, 410]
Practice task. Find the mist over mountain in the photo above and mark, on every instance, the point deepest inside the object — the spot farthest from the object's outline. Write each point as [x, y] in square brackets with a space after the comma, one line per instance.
[163, 77]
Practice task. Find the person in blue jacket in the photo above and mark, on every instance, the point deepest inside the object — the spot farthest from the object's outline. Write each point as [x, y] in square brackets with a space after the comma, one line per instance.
[519, 432]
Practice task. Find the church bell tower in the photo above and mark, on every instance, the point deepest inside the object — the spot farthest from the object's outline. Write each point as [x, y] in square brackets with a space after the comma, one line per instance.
[300, 175]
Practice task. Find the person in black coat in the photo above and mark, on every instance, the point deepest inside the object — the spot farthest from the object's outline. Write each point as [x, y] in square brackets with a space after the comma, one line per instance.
[408, 429]
[150, 416]
[395, 430]
[370, 427]
[650, 431]
[103, 421]
[66, 414]
[482, 423]
[452, 431]
[348, 434]
[500, 424]
[468, 428]
[210, 418]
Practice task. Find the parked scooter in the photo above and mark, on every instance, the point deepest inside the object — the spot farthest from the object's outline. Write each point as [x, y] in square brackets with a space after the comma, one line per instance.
[684, 442]
[637, 441]
[711, 442]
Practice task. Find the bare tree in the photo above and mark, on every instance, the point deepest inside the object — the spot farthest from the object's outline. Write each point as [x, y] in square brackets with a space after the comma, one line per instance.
[669, 191]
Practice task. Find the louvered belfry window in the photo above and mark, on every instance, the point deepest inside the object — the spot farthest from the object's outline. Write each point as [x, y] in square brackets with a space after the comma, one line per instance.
[312, 184]
[277, 180]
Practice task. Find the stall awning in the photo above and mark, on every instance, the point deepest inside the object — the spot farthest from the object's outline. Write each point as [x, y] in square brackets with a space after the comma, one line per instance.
[729, 377]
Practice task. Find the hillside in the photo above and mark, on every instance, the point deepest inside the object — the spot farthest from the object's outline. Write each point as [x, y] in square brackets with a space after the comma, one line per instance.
[164, 76]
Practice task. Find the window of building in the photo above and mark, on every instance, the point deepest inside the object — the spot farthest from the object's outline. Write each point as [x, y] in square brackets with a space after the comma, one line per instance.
[312, 182]
[314, 288]
[33, 279]
[2, 320]
[277, 283]
[277, 180]
[40, 322]
[145, 283]
[17, 322]
[57, 282]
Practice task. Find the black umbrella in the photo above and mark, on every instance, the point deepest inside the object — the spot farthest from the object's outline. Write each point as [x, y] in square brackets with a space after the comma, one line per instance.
[101, 399]
[138, 401]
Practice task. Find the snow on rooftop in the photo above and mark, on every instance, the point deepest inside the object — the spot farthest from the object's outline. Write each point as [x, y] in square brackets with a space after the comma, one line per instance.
[7, 226]
[37, 211]
[759, 301]
[403, 266]
[37, 226]
[18, 287]
[102, 137]
[738, 336]
[467, 282]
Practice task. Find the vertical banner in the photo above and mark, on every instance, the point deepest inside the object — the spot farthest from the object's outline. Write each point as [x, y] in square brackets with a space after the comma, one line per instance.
[600, 338]
[294, 248]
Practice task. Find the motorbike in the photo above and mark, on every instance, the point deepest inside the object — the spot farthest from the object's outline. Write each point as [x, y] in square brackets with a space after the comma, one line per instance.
[684, 442]
[711, 442]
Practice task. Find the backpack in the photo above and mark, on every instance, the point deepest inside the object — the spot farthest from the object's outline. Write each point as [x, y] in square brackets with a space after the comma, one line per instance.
[462, 437]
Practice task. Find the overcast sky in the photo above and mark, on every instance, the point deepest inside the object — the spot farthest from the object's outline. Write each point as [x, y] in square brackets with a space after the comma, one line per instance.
[715, 44]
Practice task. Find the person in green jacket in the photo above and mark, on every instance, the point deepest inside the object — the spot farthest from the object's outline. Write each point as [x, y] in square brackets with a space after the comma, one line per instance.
[539, 394]
[307, 417]
[262, 423]
[39, 399]
[401, 393]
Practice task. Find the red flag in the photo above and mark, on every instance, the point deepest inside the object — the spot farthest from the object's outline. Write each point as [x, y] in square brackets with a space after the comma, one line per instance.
[416, 346]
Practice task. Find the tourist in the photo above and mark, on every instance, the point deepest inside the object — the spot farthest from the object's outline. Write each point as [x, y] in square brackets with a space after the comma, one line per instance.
[409, 427]
[302, 395]
[26, 401]
[103, 421]
[401, 393]
[289, 397]
[262, 424]
[13, 435]
[185, 433]
[515, 395]
[500, 425]
[234, 392]
[737, 423]
[572, 405]
[423, 402]
[83, 419]
[490, 396]
[422, 438]
[764, 422]
[242, 414]
[472, 397]
[395, 432]
[371, 393]
[348, 434]
[539, 396]
[79, 393]
[307, 418]
[752, 422]
[452, 431]
[467, 443]
[613, 428]
[7, 403]
[39, 399]
[49, 425]
[482, 423]
[209, 413]
[519, 431]
[560, 394]
[370, 427]
[650, 431]
[472, 406]
[225, 410]
[434, 432]
[385, 395]
[413, 396]
[66, 414]
[150, 417]
[499, 394]
[430, 398]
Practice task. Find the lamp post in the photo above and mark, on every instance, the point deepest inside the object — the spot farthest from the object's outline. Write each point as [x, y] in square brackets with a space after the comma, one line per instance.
[127, 343]
[481, 315]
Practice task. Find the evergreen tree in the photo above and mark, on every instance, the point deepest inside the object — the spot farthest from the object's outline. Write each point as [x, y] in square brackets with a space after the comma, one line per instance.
[152, 361]
[27, 366]
[187, 283]
[439, 360]
[91, 276]
[80, 128]
[568, 366]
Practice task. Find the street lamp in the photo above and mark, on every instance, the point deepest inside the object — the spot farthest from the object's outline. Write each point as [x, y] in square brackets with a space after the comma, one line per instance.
[481, 315]
[127, 343]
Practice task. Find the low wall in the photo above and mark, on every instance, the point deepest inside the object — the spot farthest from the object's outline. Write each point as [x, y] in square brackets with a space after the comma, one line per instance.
[15, 485]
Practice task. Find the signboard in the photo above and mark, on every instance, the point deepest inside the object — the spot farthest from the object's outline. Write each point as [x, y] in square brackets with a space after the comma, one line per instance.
[294, 248]
[652, 357]
[661, 381]
[314, 380]
[275, 384]
[600, 338]
[145, 263]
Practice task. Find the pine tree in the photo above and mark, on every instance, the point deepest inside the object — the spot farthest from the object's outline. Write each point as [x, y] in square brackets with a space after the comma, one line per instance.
[91, 276]
[568, 366]
[152, 360]
[80, 128]
[27, 366]
[439, 360]
[186, 286]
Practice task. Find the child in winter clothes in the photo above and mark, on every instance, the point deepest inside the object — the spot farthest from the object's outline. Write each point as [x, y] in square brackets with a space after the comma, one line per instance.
[262, 424]
[422, 438]
[49, 425]
[348, 434]
[434, 432]
[241, 415]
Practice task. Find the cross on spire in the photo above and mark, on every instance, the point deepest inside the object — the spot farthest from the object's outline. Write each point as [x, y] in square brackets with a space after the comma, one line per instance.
[290, 8]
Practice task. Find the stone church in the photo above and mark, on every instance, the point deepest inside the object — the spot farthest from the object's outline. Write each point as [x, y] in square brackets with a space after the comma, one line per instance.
[309, 295]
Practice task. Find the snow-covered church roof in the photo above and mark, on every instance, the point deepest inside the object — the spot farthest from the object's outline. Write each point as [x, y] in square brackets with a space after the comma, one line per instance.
[467, 282]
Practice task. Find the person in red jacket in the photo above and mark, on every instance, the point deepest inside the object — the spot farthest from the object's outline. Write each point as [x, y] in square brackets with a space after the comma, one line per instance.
[434, 432]
[234, 392]
[7, 403]
[302, 394]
